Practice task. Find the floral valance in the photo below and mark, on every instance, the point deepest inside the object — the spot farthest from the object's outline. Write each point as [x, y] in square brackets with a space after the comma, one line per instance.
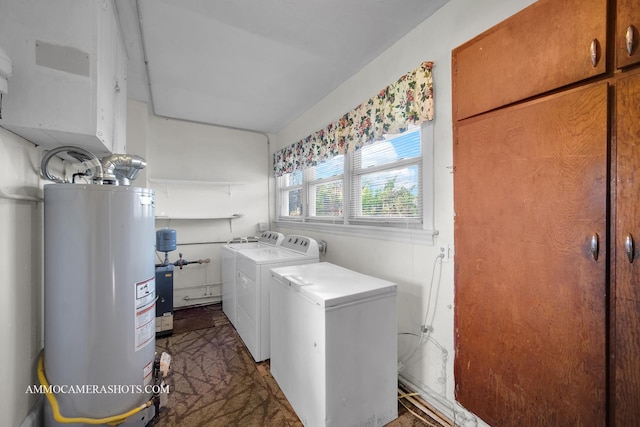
[407, 101]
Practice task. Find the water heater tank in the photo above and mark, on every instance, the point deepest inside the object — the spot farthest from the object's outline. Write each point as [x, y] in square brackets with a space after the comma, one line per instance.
[99, 302]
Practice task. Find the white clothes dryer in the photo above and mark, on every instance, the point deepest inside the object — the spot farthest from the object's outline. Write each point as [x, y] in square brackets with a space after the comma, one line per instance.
[228, 267]
[334, 345]
[253, 282]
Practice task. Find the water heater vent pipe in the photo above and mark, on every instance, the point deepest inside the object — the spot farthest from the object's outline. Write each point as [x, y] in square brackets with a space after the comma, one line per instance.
[115, 169]
[121, 169]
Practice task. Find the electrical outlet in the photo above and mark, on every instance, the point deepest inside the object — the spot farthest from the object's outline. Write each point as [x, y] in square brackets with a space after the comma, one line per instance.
[444, 252]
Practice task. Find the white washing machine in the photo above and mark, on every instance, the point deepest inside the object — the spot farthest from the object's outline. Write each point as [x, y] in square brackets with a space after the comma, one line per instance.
[334, 345]
[228, 267]
[253, 282]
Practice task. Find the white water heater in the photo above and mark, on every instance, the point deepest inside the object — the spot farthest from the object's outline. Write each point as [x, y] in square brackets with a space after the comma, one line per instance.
[99, 299]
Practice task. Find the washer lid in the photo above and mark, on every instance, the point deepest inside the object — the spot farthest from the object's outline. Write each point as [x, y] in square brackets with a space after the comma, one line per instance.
[330, 285]
[273, 254]
[246, 245]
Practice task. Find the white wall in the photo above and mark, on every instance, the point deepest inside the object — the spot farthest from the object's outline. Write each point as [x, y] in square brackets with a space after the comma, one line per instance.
[21, 311]
[203, 157]
[412, 265]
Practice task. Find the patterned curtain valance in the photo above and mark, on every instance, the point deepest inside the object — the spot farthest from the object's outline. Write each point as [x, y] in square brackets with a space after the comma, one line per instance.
[407, 101]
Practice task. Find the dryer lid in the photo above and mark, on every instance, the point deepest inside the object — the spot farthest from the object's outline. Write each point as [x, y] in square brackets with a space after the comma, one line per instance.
[329, 285]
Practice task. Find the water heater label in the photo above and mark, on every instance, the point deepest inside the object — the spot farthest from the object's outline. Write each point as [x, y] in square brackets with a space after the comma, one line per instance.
[145, 312]
[146, 200]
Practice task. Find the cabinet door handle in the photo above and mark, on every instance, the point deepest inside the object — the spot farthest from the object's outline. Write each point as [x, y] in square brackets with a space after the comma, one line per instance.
[629, 247]
[594, 52]
[629, 39]
[595, 246]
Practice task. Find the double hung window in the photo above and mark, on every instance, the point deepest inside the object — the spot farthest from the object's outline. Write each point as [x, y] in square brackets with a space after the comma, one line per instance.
[381, 184]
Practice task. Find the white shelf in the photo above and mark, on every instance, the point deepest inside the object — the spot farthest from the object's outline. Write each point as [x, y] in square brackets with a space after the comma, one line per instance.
[189, 182]
[167, 182]
[197, 218]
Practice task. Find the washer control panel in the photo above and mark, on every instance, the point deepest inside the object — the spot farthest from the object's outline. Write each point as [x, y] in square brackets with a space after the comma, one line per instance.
[302, 244]
[271, 237]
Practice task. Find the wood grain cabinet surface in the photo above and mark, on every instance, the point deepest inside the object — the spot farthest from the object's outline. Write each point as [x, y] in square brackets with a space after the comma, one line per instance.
[627, 32]
[544, 47]
[547, 225]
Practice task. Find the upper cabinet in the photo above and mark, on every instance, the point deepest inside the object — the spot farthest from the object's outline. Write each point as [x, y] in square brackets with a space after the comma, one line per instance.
[627, 33]
[548, 45]
[69, 73]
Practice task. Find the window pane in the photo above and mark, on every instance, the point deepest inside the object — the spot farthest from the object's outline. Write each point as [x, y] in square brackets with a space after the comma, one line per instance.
[393, 148]
[392, 193]
[328, 198]
[293, 200]
[291, 179]
[330, 168]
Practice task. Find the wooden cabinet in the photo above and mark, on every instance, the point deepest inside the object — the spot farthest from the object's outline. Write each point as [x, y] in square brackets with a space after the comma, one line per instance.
[69, 79]
[546, 46]
[627, 253]
[546, 197]
[627, 33]
[530, 192]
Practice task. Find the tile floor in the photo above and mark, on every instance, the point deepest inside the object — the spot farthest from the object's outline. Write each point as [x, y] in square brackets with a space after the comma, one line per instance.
[215, 382]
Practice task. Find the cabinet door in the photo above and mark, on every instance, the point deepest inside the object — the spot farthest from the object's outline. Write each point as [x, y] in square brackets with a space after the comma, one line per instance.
[627, 24]
[627, 271]
[543, 47]
[530, 192]
[62, 90]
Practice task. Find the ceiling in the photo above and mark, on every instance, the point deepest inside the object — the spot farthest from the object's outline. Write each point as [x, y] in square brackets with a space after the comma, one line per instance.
[254, 64]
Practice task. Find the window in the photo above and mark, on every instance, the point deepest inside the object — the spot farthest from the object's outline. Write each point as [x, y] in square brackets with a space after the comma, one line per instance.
[386, 183]
[290, 186]
[382, 184]
[324, 183]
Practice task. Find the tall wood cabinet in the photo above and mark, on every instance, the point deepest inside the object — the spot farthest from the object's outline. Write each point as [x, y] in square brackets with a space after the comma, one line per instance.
[547, 203]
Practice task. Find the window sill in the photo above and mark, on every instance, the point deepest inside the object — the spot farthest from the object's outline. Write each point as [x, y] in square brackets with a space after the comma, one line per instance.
[395, 234]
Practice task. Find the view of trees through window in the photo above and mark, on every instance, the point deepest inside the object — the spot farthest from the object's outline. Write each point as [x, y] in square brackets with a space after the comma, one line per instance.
[329, 199]
[389, 201]
[295, 203]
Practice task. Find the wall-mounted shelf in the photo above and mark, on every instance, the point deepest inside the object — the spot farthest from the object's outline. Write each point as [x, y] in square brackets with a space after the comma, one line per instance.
[195, 218]
[167, 182]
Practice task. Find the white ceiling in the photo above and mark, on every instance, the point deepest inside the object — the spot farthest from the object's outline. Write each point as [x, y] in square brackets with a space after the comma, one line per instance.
[254, 64]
